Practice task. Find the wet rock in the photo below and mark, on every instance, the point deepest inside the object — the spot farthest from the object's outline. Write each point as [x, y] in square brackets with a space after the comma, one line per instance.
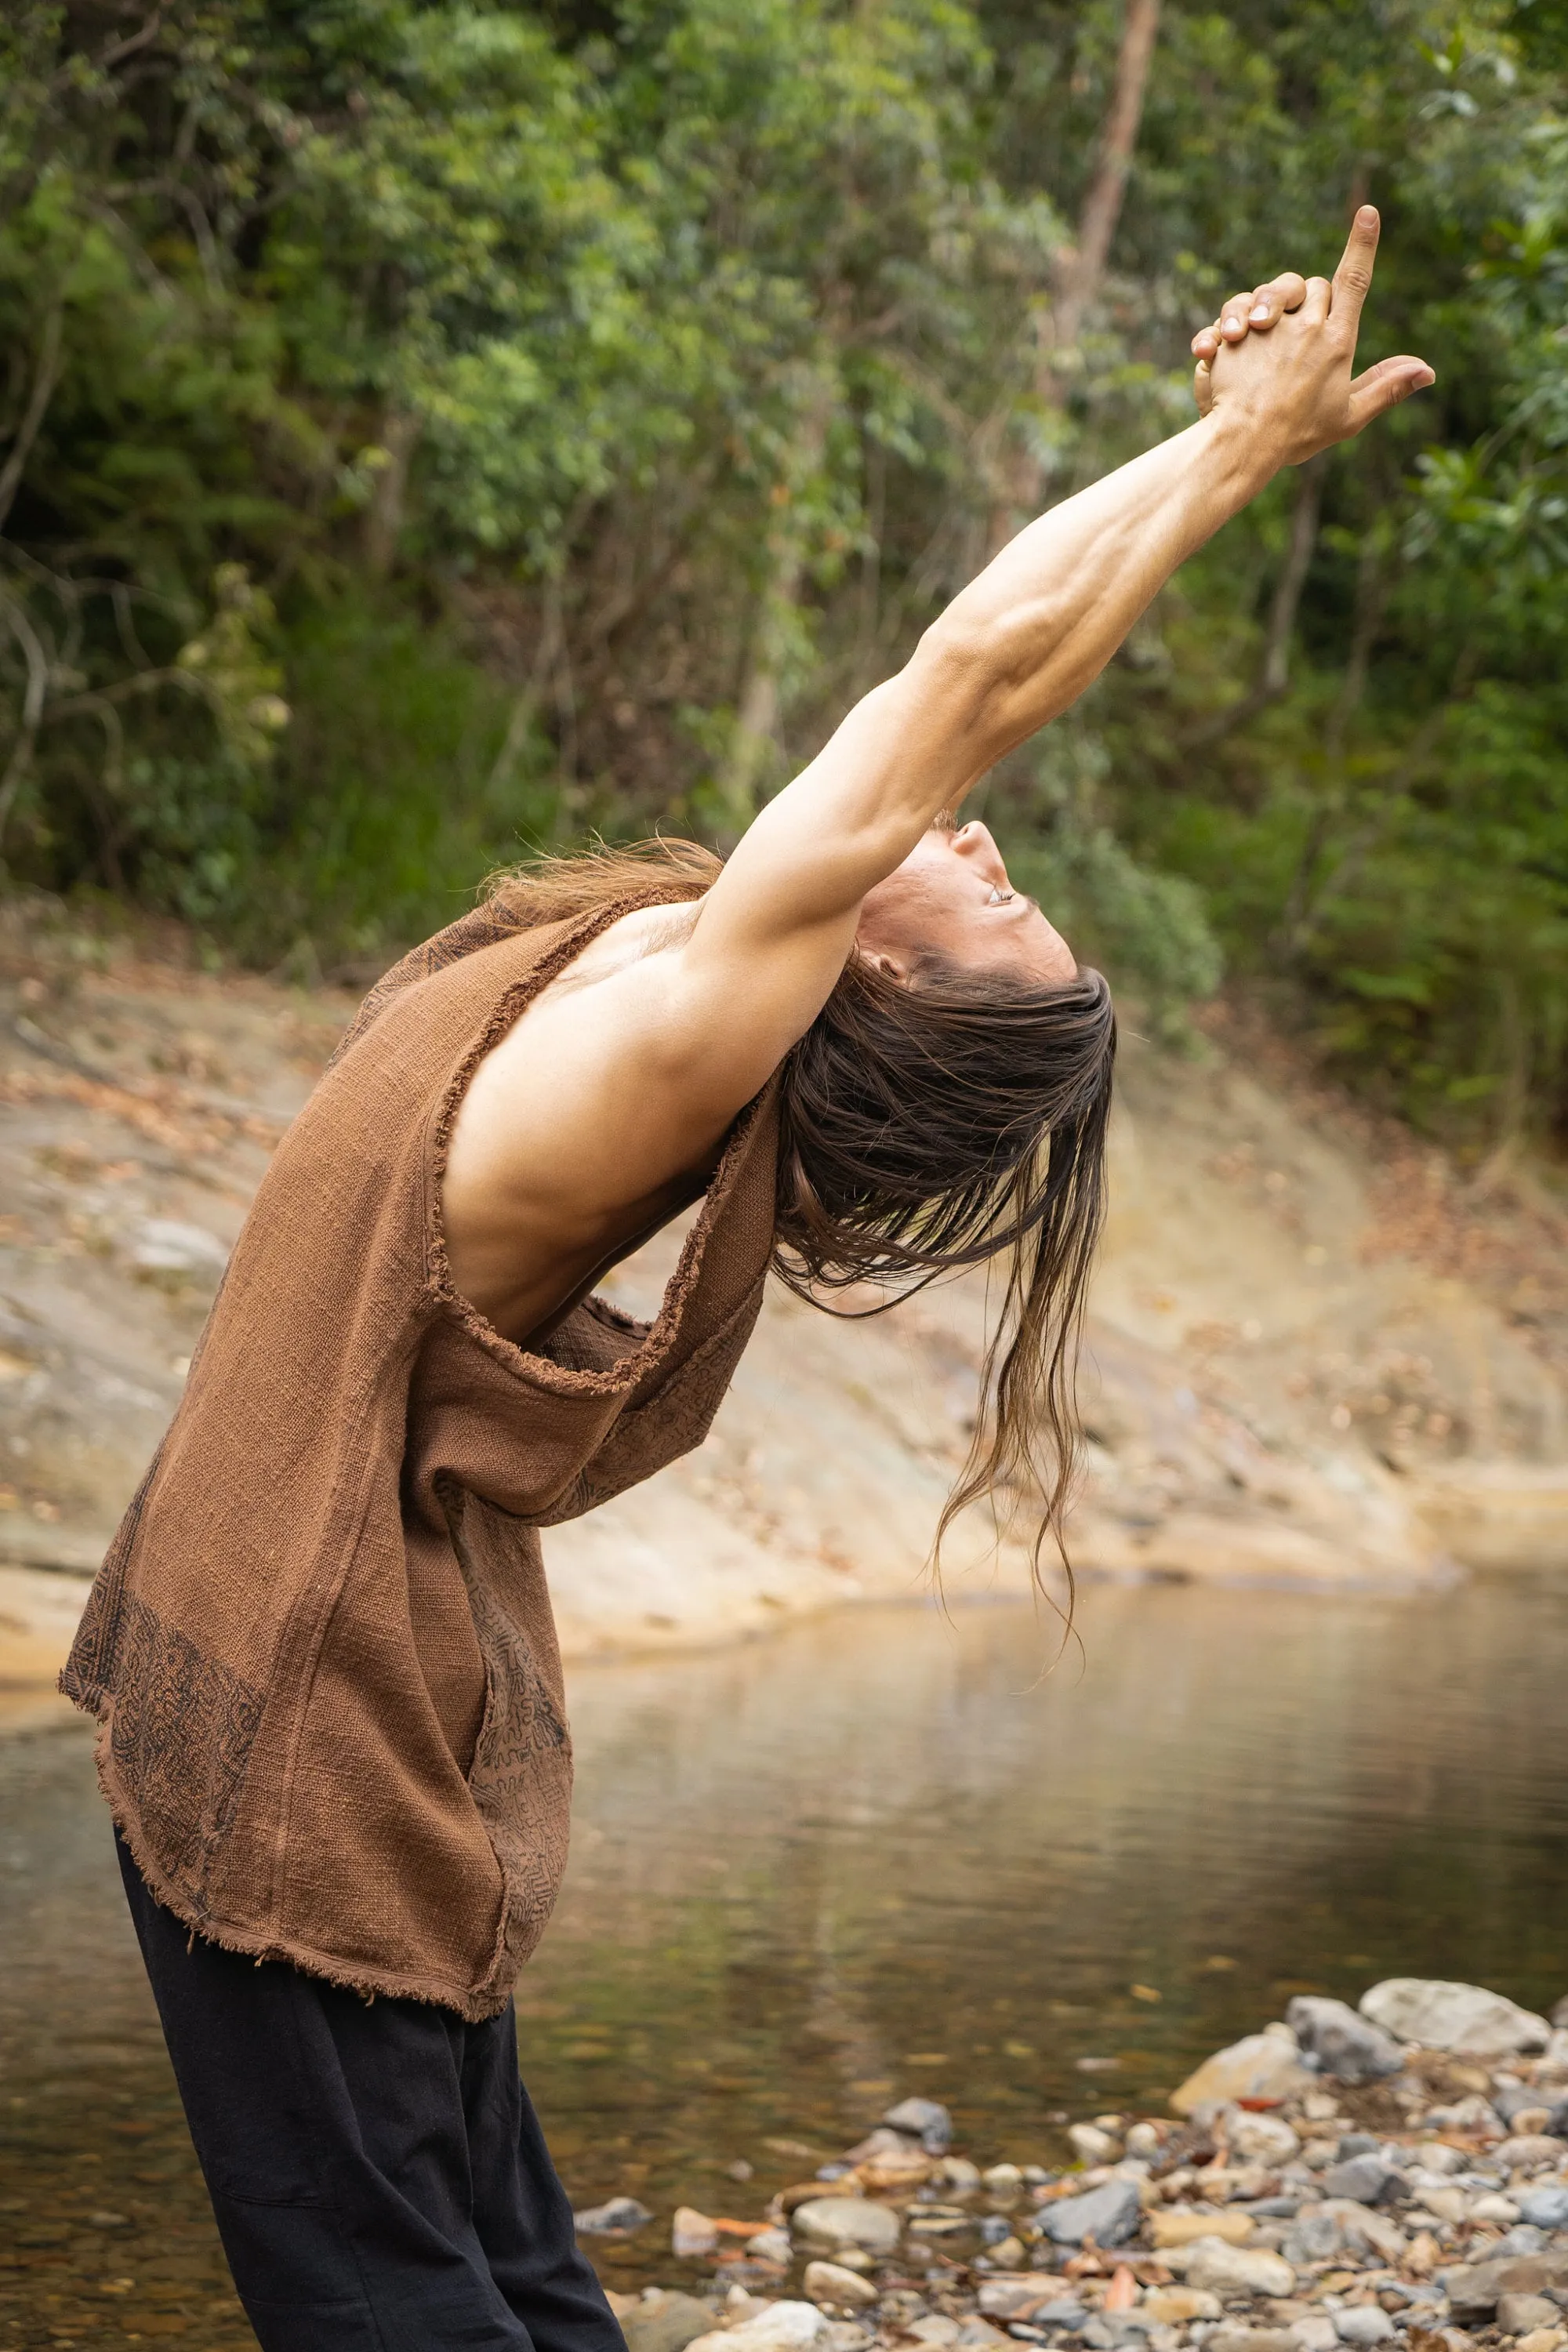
[1364, 2324]
[1092, 2146]
[1002, 2181]
[1474, 2289]
[1109, 2215]
[900, 2170]
[1237, 2270]
[1518, 2314]
[1457, 2017]
[1176, 2225]
[1350, 2047]
[780, 2328]
[925, 2120]
[830, 2221]
[692, 2233]
[665, 2322]
[1364, 2180]
[957, 2173]
[769, 2246]
[831, 2282]
[617, 2219]
[1178, 2306]
[1261, 2066]
[883, 2141]
[1546, 2208]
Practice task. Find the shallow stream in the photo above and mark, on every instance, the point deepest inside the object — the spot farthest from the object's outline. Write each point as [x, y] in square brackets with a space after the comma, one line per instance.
[878, 1854]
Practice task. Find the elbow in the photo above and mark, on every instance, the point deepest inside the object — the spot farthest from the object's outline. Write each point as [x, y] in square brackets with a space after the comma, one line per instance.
[981, 669]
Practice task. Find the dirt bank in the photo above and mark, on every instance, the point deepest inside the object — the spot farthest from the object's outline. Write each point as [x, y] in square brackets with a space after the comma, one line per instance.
[1315, 1356]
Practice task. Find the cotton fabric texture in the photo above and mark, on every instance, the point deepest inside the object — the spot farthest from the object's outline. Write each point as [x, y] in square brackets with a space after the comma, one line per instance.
[321, 1647]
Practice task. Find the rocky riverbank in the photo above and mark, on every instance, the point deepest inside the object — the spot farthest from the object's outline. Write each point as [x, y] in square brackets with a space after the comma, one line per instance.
[1396, 2174]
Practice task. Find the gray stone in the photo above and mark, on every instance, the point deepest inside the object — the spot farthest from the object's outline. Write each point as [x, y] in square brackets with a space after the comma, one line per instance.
[831, 2222]
[1546, 2207]
[925, 2120]
[1557, 2120]
[1356, 2144]
[1313, 2238]
[1109, 2215]
[1518, 2314]
[1349, 2047]
[1364, 2180]
[617, 2218]
[1473, 2289]
[1363, 2324]
[1522, 2239]
[665, 2323]
[1461, 2017]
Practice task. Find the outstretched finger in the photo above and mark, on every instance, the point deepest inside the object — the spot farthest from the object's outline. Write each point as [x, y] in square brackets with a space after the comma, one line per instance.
[1384, 386]
[1353, 275]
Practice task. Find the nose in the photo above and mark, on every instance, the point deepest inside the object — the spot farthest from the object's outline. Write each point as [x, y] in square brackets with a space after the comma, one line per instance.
[974, 842]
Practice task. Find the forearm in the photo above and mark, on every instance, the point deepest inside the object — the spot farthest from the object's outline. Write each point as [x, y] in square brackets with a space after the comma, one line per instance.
[1040, 623]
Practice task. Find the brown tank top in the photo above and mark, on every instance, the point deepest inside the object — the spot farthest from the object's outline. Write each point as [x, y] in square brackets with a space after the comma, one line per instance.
[320, 1646]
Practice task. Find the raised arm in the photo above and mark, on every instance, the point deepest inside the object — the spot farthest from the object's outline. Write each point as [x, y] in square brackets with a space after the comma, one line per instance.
[1023, 641]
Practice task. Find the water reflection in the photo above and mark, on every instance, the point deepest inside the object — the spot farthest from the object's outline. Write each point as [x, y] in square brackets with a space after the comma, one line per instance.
[880, 1853]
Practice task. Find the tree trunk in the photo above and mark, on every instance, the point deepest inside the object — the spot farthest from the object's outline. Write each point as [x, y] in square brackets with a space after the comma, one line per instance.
[1081, 268]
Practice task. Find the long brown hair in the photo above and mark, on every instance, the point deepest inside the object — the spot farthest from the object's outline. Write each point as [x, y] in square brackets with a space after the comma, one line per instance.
[926, 1128]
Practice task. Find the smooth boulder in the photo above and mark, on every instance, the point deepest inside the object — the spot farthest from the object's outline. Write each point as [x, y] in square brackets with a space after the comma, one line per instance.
[1260, 2066]
[782, 2327]
[1454, 2017]
[848, 2221]
[666, 2322]
[830, 2282]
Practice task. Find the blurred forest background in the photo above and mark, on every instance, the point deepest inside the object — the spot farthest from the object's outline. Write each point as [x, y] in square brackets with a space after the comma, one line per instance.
[429, 426]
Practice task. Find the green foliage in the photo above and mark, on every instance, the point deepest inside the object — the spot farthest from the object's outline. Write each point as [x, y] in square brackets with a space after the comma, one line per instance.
[429, 424]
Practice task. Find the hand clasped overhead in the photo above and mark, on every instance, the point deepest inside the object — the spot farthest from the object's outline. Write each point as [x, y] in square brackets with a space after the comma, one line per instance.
[1280, 357]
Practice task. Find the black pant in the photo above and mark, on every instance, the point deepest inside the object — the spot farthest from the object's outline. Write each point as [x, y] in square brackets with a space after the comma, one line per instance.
[379, 2176]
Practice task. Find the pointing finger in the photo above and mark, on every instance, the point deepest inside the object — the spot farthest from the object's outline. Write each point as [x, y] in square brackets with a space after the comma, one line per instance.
[1353, 275]
[1383, 386]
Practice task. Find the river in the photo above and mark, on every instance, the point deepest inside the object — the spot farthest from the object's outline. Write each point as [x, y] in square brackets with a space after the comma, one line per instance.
[885, 1851]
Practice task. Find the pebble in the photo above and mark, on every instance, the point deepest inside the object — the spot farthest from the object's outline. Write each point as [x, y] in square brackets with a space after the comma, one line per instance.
[1518, 2314]
[848, 2221]
[1259, 2138]
[1176, 2225]
[1363, 2324]
[830, 2282]
[925, 2120]
[1365, 2180]
[1237, 2270]
[1350, 2047]
[1251, 2339]
[692, 2233]
[618, 2218]
[1546, 2207]
[1177, 2307]
[1109, 2215]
